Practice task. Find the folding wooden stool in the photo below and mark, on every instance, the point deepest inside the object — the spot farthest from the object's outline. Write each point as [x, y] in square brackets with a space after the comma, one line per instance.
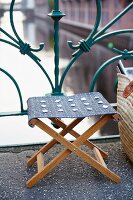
[78, 107]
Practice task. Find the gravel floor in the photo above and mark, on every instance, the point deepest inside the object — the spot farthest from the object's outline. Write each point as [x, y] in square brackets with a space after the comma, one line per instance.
[71, 180]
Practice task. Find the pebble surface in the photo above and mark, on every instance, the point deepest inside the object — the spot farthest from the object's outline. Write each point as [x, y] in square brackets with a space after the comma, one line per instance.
[71, 180]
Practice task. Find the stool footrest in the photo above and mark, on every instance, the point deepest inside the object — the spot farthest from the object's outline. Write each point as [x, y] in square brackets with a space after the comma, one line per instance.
[99, 156]
[40, 162]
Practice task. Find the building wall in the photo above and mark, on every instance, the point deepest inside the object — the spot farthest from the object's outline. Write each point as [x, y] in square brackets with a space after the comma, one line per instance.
[41, 8]
[31, 4]
[28, 4]
[84, 11]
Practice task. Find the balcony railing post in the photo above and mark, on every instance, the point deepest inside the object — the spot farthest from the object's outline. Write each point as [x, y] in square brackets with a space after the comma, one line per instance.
[56, 15]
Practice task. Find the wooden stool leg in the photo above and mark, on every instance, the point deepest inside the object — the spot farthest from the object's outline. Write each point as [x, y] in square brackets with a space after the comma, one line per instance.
[73, 147]
[40, 162]
[76, 135]
[99, 156]
[60, 157]
[51, 165]
[104, 170]
[43, 150]
[49, 145]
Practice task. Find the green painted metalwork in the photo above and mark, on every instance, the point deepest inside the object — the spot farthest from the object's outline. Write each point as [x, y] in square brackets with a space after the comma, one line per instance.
[124, 55]
[56, 15]
[94, 37]
[17, 87]
[83, 46]
[22, 46]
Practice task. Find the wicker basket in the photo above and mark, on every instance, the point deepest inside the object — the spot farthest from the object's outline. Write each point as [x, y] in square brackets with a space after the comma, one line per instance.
[125, 108]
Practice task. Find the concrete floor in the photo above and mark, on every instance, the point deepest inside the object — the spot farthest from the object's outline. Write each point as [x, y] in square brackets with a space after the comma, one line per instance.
[71, 180]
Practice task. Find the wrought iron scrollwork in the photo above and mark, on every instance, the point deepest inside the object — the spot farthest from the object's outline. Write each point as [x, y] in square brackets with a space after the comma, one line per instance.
[17, 87]
[125, 54]
[94, 37]
[83, 46]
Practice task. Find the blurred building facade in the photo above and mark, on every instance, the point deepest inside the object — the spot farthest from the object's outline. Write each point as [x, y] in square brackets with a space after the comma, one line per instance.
[41, 8]
[84, 11]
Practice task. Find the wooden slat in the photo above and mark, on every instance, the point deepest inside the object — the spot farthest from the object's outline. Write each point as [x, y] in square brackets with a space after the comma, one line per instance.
[72, 147]
[98, 156]
[60, 157]
[117, 117]
[76, 135]
[45, 148]
[40, 162]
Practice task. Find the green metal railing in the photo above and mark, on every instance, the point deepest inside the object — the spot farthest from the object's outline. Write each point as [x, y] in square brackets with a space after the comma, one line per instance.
[82, 47]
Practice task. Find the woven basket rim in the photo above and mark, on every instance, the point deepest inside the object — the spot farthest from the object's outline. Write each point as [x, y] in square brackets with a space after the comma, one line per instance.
[123, 76]
[125, 108]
